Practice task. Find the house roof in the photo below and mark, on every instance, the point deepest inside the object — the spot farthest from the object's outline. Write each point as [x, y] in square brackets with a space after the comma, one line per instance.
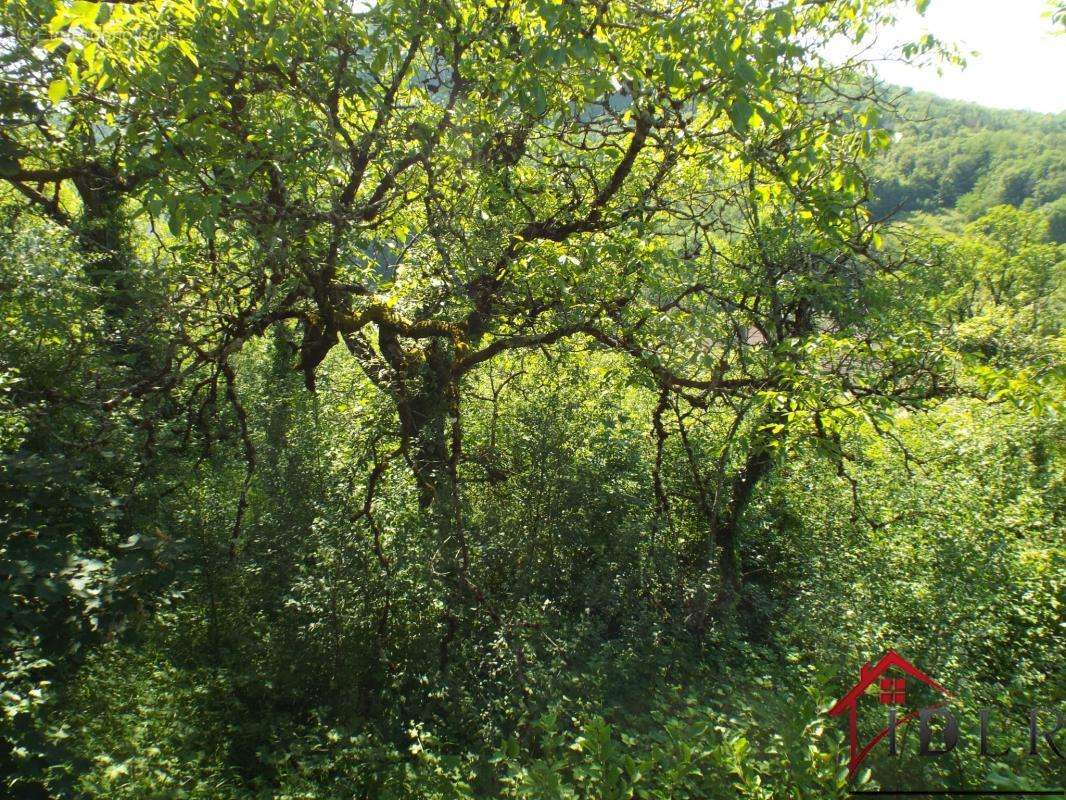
[870, 674]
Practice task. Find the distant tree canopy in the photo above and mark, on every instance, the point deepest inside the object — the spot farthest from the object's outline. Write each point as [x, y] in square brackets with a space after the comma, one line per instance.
[948, 154]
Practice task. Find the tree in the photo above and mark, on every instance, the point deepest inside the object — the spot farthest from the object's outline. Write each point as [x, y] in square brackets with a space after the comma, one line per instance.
[799, 340]
[1056, 215]
[431, 184]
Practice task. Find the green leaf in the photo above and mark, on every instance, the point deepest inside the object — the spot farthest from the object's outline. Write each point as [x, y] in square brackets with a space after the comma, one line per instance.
[85, 13]
[540, 101]
[57, 90]
[740, 113]
[187, 51]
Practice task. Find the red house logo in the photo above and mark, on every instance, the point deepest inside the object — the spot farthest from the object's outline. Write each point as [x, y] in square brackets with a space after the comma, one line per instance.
[893, 691]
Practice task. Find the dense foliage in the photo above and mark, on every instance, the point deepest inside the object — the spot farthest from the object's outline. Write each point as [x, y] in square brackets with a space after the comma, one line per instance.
[957, 156]
[513, 399]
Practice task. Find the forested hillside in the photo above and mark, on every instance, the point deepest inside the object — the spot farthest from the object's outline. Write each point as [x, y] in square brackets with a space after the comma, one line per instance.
[952, 156]
[466, 399]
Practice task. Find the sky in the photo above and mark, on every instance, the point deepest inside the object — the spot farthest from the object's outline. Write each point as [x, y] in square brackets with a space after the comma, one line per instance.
[1020, 63]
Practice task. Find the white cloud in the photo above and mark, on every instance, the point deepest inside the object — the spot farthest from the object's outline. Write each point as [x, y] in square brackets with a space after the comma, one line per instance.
[1021, 63]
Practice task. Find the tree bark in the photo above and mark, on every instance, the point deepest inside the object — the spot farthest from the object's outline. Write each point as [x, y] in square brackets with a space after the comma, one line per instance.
[756, 466]
[103, 235]
[722, 550]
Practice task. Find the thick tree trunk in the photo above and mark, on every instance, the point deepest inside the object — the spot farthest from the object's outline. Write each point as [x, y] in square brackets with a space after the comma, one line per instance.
[103, 235]
[727, 526]
[432, 397]
[722, 550]
[428, 419]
